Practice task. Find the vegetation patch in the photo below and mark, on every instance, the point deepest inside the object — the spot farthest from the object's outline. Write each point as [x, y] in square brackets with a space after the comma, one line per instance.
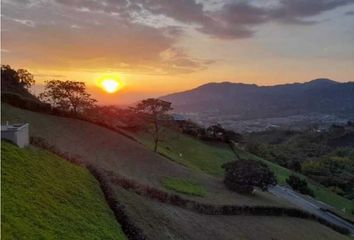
[243, 175]
[46, 197]
[321, 193]
[299, 185]
[325, 156]
[184, 186]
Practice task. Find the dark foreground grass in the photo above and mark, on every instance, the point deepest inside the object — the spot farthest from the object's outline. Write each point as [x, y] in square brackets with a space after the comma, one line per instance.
[184, 186]
[46, 197]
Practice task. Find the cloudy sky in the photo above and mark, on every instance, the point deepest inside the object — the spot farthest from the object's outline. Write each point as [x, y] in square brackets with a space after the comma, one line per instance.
[160, 46]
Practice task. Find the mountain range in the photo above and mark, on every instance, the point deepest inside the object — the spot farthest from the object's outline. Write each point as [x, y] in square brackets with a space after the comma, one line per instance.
[250, 101]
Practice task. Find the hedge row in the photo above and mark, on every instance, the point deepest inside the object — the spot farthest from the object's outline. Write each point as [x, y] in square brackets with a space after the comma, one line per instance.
[26, 103]
[210, 209]
[129, 228]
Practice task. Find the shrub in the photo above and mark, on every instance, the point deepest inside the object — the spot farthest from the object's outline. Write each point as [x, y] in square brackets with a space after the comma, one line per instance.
[243, 175]
[299, 185]
[24, 102]
[295, 165]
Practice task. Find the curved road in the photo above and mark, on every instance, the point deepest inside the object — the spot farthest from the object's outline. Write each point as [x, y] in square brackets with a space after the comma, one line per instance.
[311, 205]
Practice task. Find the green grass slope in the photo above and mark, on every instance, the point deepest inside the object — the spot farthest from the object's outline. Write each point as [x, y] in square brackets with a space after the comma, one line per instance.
[46, 197]
[190, 151]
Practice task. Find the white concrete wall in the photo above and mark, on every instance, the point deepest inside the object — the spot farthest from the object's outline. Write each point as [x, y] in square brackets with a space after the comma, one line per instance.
[23, 136]
[17, 135]
[9, 135]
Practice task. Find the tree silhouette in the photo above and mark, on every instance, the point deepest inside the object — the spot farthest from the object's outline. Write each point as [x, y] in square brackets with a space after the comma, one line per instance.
[15, 79]
[154, 110]
[25, 78]
[67, 95]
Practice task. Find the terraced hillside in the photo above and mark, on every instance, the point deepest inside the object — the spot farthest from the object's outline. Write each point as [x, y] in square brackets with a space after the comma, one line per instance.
[113, 152]
[46, 197]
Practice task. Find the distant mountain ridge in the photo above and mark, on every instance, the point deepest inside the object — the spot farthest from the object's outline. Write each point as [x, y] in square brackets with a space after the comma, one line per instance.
[247, 101]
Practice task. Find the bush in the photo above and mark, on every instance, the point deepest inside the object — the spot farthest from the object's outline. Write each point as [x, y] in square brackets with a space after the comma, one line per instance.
[243, 175]
[299, 185]
[295, 166]
[22, 102]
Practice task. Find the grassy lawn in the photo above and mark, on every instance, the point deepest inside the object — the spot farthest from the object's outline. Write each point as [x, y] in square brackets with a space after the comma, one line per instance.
[191, 152]
[46, 197]
[184, 186]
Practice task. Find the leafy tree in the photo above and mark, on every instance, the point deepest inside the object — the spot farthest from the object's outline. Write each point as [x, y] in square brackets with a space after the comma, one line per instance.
[299, 185]
[15, 79]
[154, 110]
[243, 175]
[25, 78]
[216, 131]
[233, 136]
[295, 165]
[67, 95]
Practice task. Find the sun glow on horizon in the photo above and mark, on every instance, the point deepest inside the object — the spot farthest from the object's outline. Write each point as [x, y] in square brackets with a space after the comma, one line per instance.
[110, 85]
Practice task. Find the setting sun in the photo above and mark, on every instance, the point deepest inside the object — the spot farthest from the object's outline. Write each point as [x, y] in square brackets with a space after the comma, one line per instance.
[110, 85]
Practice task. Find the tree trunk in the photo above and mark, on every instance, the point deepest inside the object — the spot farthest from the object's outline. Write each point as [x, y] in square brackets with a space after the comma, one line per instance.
[74, 110]
[232, 146]
[156, 142]
[156, 134]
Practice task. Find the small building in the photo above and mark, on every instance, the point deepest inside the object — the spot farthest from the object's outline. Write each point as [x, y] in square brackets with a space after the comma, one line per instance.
[16, 133]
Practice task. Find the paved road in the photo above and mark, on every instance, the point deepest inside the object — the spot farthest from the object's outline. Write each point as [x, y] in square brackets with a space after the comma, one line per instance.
[311, 205]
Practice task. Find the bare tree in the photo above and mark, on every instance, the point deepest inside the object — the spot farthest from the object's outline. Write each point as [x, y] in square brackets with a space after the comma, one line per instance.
[67, 95]
[154, 110]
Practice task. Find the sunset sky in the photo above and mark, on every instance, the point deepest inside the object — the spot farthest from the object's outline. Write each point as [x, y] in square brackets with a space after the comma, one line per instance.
[160, 46]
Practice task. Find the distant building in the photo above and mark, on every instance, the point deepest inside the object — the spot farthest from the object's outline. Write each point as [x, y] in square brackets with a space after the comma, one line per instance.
[16, 133]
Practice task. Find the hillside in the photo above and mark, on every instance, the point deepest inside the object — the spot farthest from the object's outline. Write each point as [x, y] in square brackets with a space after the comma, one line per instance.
[177, 147]
[46, 197]
[246, 101]
[118, 155]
